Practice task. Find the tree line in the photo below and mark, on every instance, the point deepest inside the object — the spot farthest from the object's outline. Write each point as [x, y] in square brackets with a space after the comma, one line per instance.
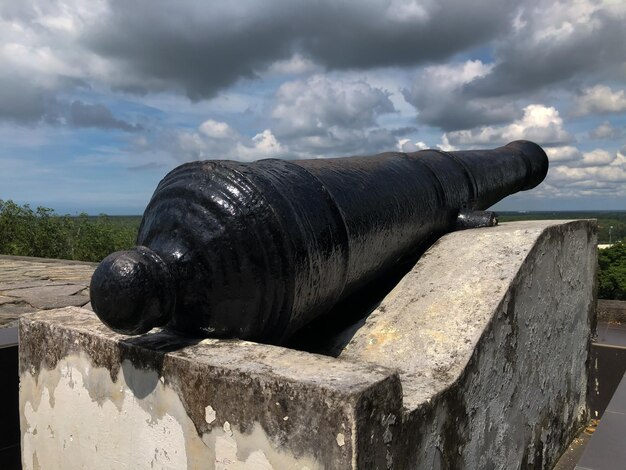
[612, 272]
[43, 233]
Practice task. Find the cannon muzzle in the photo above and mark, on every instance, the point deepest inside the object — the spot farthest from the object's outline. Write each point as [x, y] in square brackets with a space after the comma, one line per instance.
[258, 250]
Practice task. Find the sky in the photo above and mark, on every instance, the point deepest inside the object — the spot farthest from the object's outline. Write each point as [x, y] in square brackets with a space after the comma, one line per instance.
[99, 99]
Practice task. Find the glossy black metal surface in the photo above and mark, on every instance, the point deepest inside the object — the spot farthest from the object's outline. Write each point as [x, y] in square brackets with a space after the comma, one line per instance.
[257, 250]
[134, 291]
[475, 219]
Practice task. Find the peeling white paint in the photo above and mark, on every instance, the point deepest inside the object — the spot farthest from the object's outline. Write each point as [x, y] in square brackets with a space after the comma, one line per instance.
[94, 423]
[209, 414]
[341, 439]
[75, 416]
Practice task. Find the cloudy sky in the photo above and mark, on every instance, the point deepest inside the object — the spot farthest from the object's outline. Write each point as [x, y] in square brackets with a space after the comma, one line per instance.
[100, 98]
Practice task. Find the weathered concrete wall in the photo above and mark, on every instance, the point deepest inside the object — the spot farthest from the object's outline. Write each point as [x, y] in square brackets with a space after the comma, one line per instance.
[612, 310]
[490, 333]
[477, 359]
[90, 398]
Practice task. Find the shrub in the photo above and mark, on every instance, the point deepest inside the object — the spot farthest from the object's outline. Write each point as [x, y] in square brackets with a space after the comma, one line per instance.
[42, 233]
[612, 272]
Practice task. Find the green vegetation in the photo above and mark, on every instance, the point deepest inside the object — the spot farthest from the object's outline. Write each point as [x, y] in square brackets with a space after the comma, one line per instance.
[611, 261]
[42, 233]
[605, 219]
[612, 273]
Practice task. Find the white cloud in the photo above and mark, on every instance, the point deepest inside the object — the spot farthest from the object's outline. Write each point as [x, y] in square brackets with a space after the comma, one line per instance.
[597, 157]
[583, 174]
[607, 174]
[438, 95]
[217, 140]
[308, 107]
[320, 116]
[600, 99]
[213, 140]
[295, 65]
[620, 158]
[572, 157]
[563, 153]
[41, 39]
[541, 124]
[574, 173]
[263, 145]
[606, 131]
[408, 11]
[405, 145]
[216, 130]
[451, 76]
[557, 42]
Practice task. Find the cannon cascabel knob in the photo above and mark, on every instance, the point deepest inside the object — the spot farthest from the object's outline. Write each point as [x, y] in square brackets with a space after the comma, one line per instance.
[133, 291]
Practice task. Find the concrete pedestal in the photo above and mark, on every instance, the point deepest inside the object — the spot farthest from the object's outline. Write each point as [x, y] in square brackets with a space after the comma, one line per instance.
[477, 359]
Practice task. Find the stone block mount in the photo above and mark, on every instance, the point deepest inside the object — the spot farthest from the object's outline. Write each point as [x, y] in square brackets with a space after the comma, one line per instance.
[476, 359]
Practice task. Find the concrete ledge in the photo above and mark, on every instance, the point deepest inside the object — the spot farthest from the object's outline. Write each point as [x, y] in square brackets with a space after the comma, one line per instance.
[477, 359]
[490, 333]
[158, 400]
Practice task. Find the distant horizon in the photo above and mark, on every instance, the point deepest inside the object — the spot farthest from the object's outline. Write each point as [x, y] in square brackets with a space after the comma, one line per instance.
[76, 213]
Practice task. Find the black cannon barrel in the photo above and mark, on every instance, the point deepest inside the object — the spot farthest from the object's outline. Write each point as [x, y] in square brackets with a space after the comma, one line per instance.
[257, 250]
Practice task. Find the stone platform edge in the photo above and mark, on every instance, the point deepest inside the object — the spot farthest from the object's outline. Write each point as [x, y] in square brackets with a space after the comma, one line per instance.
[322, 412]
[491, 330]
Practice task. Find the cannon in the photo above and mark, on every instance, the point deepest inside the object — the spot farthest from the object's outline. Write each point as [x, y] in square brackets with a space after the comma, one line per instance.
[258, 250]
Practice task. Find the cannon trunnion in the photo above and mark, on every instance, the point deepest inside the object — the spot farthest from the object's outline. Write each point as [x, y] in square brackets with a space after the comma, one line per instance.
[258, 250]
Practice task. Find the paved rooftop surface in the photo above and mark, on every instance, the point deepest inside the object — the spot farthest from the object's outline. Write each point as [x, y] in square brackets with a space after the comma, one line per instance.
[30, 284]
[606, 450]
[612, 333]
